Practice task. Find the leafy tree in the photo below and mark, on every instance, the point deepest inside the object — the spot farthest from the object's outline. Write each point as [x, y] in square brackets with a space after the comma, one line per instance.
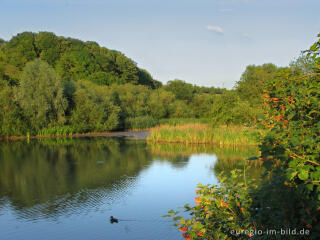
[94, 109]
[12, 121]
[228, 108]
[40, 95]
[133, 99]
[181, 89]
[160, 103]
[253, 81]
[145, 78]
[74, 59]
[20, 49]
[103, 78]
[47, 47]
[179, 109]
[202, 104]
[127, 69]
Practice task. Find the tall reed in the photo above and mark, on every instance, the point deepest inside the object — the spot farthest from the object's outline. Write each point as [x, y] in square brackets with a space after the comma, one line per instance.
[203, 133]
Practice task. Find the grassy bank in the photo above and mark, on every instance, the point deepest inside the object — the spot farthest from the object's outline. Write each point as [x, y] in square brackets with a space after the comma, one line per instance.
[203, 133]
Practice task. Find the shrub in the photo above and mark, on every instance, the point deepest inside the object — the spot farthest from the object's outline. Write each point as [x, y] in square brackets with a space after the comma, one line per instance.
[140, 122]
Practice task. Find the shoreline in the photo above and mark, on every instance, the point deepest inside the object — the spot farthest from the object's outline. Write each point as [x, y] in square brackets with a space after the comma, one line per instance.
[134, 134]
[202, 143]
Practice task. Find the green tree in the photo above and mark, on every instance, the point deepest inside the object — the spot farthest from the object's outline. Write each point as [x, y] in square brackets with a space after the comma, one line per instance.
[95, 109]
[253, 81]
[160, 103]
[181, 90]
[12, 121]
[228, 108]
[40, 95]
[47, 46]
[21, 49]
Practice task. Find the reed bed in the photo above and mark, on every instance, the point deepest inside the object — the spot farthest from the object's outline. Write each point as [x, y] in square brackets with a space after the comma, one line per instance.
[204, 134]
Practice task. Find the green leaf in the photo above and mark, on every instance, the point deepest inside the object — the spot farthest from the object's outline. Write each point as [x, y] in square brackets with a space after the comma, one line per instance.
[303, 175]
[291, 115]
[310, 187]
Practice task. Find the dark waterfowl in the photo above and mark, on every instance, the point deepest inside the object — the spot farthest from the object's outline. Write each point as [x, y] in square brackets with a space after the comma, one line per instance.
[113, 220]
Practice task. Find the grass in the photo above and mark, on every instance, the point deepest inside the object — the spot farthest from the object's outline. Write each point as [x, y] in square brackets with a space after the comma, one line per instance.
[203, 133]
[56, 131]
[183, 121]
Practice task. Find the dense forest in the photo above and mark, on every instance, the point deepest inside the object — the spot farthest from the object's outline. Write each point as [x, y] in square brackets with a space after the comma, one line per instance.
[57, 85]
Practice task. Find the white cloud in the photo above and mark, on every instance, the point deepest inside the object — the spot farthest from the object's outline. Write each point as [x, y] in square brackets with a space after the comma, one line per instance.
[216, 29]
[246, 35]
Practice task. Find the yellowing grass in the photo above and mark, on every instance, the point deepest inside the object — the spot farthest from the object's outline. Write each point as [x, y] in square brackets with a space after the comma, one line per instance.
[203, 133]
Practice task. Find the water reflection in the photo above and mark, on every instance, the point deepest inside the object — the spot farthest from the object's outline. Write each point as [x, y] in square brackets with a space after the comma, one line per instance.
[47, 177]
[81, 182]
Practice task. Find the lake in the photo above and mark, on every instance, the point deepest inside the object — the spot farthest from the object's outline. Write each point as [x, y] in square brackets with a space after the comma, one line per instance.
[68, 188]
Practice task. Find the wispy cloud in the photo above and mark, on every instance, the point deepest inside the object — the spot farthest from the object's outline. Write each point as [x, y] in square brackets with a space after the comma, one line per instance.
[216, 29]
[246, 35]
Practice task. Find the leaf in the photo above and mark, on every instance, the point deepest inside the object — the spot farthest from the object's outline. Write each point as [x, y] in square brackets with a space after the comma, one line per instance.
[310, 187]
[291, 175]
[291, 115]
[303, 175]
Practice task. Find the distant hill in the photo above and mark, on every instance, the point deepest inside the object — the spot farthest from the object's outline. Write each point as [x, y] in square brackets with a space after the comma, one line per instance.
[72, 59]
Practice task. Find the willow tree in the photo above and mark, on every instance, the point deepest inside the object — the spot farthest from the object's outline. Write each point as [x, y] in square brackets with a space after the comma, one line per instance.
[40, 95]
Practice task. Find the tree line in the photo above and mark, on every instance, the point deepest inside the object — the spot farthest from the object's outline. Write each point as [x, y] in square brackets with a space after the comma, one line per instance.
[57, 85]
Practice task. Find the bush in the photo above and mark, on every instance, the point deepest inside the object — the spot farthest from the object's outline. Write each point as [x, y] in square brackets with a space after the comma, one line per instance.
[142, 122]
[220, 211]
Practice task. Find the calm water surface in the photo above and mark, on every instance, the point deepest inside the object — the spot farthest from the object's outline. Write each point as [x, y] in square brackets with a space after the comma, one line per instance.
[68, 188]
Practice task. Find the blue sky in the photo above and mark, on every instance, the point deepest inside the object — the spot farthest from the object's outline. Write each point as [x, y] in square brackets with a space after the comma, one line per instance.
[204, 42]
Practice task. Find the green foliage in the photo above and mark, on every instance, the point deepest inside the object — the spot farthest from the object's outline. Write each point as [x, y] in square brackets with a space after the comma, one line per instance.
[12, 122]
[74, 59]
[145, 78]
[253, 81]
[183, 121]
[160, 103]
[94, 109]
[220, 211]
[20, 50]
[291, 150]
[103, 78]
[180, 109]
[56, 131]
[202, 105]
[228, 109]
[133, 100]
[202, 133]
[133, 95]
[314, 52]
[47, 46]
[181, 89]
[40, 95]
[288, 197]
[141, 122]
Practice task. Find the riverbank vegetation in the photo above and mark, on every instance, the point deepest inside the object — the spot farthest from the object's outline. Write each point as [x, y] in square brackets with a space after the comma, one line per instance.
[285, 202]
[52, 85]
[204, 134]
